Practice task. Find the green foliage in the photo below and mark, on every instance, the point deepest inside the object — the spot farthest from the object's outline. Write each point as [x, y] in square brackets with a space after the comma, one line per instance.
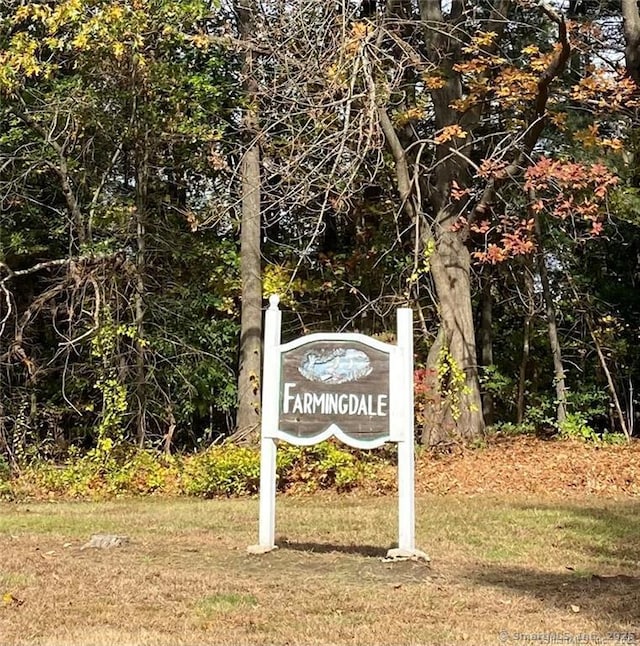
[451, 381]
[496, 383]
[321, 466]
[614, 439]
[575, 427]
[509, 429]
[585, 408]
[589, 402]
[226, 470]
[222, 470]
[5, 476]
[541, 414]
[101, 473]
[232, 470]
[5, 469]
[114, 397]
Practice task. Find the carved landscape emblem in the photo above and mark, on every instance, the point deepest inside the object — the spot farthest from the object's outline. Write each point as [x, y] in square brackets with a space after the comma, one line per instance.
[335, 365]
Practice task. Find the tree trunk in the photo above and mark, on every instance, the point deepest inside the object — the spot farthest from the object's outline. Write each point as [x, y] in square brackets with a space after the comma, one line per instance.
[556, 351]
[526, 345]
[486, 341]
[248, 418]
[456, 409]
[457, 404]
[631, 17]
[142, 182]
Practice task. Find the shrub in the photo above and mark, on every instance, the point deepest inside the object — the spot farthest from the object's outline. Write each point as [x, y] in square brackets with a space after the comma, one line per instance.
[227, 470]
[5, 469]
[121, 470]
[5, 479]
[223, 470]
[575, 427]
[323, 466]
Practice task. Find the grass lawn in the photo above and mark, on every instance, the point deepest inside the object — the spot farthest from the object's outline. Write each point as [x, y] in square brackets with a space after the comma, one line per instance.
[502, 568]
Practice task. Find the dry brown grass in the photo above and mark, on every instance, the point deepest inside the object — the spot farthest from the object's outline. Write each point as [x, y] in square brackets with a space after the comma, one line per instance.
[498, 564]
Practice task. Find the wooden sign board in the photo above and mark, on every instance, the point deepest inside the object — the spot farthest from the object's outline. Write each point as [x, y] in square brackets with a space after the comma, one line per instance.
[350, 386]
[339, 388]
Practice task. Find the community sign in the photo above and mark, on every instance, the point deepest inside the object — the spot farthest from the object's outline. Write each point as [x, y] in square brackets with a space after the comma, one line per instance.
[349, 386]
[335, 387]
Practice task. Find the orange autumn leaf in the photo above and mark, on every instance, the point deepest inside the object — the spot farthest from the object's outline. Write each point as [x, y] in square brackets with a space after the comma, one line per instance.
[448, 133]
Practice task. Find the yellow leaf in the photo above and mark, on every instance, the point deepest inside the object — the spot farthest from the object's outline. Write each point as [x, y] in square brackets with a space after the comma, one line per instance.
[9, 600]
[448, 133]
[412, 114]
[81, 40]
[485, 38]
[359, 30]
[530, 50]
[201, 41]
[118, 50]
[434, 82]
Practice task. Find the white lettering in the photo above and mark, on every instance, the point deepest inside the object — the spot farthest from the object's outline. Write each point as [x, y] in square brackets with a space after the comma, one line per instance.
[308, 402]
[370, 406]
[319, 401]
[332, 403]
[343, 404]
[353, 404]
[382, 405]
[287, 397]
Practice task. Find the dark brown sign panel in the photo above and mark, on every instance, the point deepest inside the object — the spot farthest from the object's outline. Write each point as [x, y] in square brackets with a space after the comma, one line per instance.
[345, 383]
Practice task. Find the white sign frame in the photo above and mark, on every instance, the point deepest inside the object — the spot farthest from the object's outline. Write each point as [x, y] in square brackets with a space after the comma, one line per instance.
[401, 415]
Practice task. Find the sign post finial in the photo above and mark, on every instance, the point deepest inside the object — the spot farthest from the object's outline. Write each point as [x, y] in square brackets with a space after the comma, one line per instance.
[274, 300]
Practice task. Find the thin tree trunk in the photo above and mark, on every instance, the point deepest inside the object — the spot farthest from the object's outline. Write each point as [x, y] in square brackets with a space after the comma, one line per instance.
[603, 362]
[486, 342]
[142, 180]
[554, 341]
[248, 418]
[612, 387]
[526, 345]
[168, 438]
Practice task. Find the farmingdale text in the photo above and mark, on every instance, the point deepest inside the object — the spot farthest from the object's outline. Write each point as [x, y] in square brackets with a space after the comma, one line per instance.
[333, 403]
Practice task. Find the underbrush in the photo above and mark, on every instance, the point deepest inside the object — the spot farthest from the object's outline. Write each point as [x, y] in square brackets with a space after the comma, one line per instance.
[222, 470]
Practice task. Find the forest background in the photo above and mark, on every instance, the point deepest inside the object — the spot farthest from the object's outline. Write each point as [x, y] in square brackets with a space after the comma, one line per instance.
[167, 165]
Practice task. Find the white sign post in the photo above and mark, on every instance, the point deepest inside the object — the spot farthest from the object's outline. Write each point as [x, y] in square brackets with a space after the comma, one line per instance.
[350, 386]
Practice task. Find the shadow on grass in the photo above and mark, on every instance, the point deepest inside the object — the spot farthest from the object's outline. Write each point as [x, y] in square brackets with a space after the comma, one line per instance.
[608, 534]
[609, 598]
[327, 548]
[607, 586]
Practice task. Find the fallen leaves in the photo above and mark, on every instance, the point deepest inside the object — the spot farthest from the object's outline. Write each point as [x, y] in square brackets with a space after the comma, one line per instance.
[529, 466]
[9, 599]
